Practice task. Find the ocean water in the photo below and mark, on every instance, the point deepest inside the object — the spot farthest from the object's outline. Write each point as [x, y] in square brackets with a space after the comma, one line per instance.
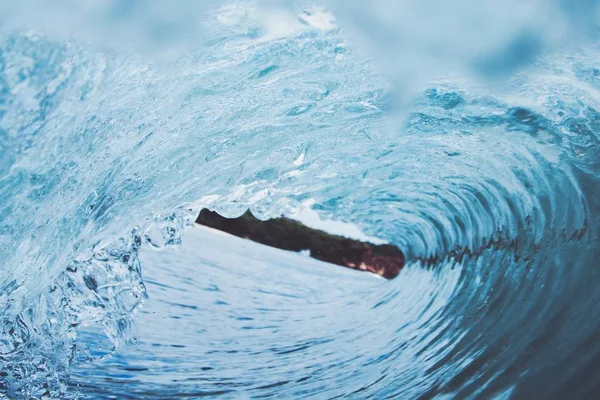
[467, 135]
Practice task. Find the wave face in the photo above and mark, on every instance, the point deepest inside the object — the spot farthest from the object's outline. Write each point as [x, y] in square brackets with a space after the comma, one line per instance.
[492, 190]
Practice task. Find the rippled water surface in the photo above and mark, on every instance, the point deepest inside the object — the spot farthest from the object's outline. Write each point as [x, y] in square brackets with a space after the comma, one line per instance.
[115, 132]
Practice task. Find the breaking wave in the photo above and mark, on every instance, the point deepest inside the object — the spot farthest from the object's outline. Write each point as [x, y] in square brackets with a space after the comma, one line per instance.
[492, 191]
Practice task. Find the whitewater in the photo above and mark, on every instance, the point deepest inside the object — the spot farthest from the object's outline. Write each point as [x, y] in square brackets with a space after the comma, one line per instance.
[476, 150]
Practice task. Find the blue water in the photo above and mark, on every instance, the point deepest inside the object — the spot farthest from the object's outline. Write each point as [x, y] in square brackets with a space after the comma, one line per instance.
[469, 137]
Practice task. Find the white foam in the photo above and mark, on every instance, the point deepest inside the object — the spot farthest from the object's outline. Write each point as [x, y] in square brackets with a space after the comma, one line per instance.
[311, 218]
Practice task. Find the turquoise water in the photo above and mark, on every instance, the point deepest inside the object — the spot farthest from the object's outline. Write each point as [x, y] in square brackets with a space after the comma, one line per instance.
[474, 150]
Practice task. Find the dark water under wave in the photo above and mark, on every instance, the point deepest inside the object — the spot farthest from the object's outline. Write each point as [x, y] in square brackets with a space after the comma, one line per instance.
[492, 192]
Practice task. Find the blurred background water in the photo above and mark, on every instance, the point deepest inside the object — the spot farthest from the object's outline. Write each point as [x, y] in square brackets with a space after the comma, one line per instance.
[467, 134]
